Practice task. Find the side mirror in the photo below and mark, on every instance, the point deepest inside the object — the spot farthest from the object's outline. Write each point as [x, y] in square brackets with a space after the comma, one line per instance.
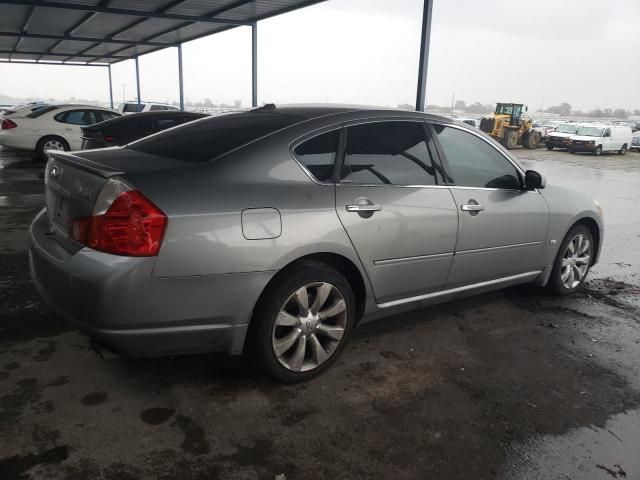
[533, 180]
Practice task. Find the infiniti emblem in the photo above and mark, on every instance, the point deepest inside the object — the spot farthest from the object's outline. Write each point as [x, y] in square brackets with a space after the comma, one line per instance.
[54, 172]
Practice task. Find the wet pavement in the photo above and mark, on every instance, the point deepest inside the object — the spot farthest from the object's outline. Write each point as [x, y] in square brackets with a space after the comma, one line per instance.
[514, 384]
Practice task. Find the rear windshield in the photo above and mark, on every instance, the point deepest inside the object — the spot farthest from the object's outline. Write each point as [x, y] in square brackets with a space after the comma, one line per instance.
[212, 137]
[132, 107]
[41, 111]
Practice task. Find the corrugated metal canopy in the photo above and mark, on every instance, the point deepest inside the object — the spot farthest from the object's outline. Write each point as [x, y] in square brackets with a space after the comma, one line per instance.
[109, 31]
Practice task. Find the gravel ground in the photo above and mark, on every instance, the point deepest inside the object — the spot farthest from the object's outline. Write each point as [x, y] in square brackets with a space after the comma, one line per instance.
[513, 384]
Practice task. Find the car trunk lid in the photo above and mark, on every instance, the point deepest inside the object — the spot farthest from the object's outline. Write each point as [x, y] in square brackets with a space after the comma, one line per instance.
[73, 182]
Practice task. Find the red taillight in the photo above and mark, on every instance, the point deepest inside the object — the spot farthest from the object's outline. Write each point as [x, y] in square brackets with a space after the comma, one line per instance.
[131, 226]
[7, 124]
[107, 138]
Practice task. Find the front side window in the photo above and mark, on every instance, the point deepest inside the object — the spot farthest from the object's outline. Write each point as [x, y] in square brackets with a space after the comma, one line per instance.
[388, 153]
[318, 154]
[474, 162]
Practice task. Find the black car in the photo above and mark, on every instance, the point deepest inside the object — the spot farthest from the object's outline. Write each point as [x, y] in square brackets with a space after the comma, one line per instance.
[126, 129]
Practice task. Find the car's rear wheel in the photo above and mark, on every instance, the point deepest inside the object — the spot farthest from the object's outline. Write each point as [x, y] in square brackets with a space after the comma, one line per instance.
[50, 143]
[573, 261]
[304, 323]
[623, 150]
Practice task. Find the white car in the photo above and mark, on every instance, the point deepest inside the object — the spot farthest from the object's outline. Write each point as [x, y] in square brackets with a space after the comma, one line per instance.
[127, 108]
[55, 127]
[635, 141]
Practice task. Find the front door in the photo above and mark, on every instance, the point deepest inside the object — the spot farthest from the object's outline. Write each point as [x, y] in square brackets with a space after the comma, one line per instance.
[402, 224]
[502, 227]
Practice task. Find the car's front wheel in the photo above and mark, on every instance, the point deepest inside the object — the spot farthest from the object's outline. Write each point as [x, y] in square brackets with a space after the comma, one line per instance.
[573, 261]
[304, 323]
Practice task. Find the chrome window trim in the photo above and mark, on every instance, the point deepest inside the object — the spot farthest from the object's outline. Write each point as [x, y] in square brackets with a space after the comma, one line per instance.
[393, 261]
[308, 136]
[464, 288]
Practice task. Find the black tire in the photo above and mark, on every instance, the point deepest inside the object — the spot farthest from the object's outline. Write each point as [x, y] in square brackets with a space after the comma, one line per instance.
[41, 147]
[510, 139]
[556, 285]
[531, 139]
[571, 151]
[274, 301]
[598, 151]
[549, 147]
[623, 150]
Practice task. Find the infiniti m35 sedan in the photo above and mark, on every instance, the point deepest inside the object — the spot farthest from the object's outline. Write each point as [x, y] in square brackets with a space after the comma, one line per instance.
[276, 231]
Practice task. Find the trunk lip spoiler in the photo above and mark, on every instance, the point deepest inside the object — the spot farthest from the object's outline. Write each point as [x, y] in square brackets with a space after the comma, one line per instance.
[84, 164]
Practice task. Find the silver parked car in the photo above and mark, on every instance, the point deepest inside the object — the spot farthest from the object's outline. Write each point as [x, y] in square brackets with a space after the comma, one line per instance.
[278, 230]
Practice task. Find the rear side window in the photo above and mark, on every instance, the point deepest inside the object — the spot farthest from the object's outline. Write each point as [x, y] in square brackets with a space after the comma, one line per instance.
[77, 117]
[212, 137]
[41, 111]
[318, 154]
[475, 163]
[155, 108]
[391, 153]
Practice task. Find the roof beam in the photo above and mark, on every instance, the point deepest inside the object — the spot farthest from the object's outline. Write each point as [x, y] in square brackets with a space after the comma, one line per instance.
[73, 28]
[211, 13]
[25, 25]
[126, 12]
[84, 39]
[26, 62]
[23, 52]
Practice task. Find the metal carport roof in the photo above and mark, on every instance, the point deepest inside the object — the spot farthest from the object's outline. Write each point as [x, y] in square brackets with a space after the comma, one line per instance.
[103, 32]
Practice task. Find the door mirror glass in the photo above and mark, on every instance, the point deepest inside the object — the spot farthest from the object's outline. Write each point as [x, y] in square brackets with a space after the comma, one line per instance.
[533, 180]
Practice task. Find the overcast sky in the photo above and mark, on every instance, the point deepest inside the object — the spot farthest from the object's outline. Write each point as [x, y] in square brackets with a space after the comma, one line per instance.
[585, 52]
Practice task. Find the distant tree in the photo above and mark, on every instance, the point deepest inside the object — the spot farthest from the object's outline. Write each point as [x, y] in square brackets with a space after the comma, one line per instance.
[460, 105]
[636, 111]
[407, 106]
[608, 112]
[478, 107]
[596, 113]
[237, 103]
[563, 109]
[620, 113]
[208, 102]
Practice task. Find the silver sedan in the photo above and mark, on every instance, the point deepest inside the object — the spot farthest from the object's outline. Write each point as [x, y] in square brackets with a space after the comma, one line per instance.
[277, 231]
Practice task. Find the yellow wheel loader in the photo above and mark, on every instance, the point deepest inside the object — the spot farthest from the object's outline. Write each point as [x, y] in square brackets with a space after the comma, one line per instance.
[510, 127]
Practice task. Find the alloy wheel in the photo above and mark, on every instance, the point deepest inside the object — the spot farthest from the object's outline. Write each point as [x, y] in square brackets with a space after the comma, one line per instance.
[309, 326]
[53, 145]
[575, 261]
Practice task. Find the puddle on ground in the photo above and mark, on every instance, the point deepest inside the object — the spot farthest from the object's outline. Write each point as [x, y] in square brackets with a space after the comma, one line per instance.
[588, 453]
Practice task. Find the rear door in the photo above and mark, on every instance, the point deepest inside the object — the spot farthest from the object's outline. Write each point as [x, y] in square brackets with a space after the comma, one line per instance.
[401, 221]
[502, 227]
[71, 122]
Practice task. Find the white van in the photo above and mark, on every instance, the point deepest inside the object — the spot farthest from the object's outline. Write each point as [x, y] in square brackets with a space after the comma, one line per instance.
[601, 138]
[132, 107]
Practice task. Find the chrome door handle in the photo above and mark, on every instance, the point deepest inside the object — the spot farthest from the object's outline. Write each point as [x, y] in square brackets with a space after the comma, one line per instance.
[472, 208]
[364, 208]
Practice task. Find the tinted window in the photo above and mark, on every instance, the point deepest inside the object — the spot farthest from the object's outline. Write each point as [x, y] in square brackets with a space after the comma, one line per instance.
[209, 138]
[41, 111]
[77, 117]
[474, 162]
[155, 108]
[164, 123]
[318, 154]
[132, 107]
[103, 115]
[388, 153]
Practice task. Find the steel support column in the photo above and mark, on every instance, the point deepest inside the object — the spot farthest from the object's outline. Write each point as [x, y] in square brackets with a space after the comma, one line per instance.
[254, 65]
[138, 82]
[421, 99]
[180, 77]
[110, 87]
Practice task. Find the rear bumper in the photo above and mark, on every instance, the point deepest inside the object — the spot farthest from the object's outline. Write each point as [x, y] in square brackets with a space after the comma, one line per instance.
[22, 142]
[116, 301]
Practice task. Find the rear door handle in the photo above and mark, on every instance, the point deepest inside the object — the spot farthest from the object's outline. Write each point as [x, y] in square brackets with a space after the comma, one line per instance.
[472, 208]
[364, 208]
